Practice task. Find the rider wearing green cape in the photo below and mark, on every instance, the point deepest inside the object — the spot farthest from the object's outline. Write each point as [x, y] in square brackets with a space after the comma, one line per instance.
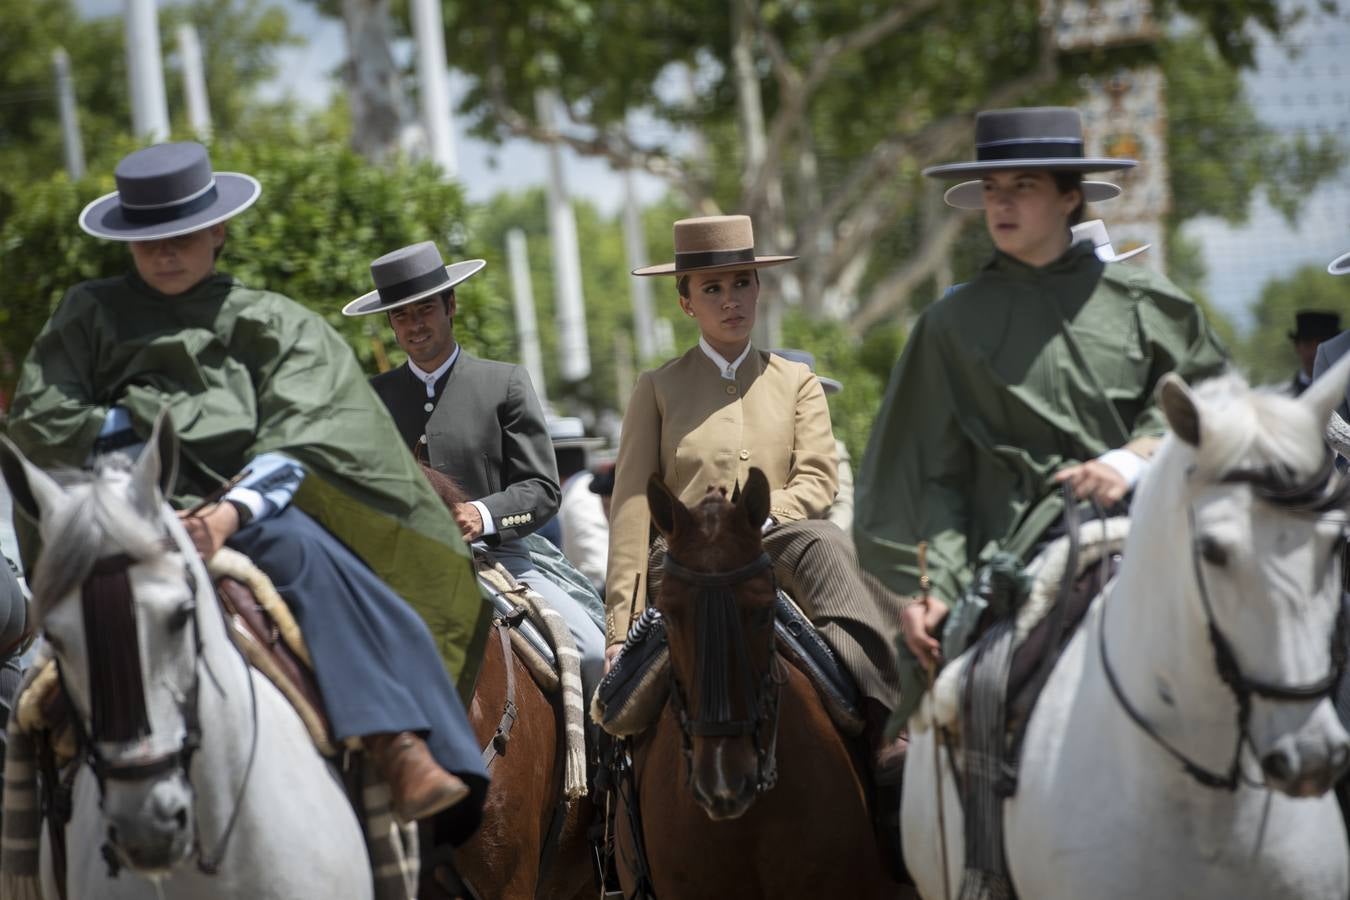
[1037, 373]
[255, 383]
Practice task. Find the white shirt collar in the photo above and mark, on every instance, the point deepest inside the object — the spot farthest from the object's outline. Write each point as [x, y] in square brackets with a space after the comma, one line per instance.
[430, 378]
[727, 369]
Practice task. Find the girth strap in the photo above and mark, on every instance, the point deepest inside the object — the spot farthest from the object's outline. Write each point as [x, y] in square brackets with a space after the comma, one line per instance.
[497, 745]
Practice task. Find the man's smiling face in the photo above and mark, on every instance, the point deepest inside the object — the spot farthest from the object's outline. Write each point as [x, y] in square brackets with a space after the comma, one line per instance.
[426, 330]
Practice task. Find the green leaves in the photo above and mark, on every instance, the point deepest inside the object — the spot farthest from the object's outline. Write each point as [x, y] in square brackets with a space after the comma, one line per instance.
[1267, 356]
[323, 216]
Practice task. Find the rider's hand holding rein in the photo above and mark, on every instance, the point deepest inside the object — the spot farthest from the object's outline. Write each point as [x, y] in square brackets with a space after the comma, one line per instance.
[469, 520]
[211, 528]
[1095, 480]
[920, 620]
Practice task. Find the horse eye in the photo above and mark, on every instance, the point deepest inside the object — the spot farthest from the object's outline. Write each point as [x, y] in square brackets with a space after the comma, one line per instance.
[180, 617]
[1212, 552]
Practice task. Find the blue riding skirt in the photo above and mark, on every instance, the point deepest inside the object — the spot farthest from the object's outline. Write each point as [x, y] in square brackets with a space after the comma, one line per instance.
[375, 661]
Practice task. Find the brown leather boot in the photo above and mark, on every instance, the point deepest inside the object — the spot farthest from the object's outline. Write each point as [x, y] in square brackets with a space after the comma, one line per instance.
[420, 787]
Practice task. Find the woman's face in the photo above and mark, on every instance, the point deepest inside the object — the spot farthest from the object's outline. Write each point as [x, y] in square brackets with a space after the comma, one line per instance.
[1027, 216]
[723, 304]
[178, 264]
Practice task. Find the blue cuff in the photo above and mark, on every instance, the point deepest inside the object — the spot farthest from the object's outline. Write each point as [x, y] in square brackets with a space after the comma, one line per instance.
[271, 484]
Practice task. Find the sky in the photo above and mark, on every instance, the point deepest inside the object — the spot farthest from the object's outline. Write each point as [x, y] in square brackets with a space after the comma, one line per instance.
[1303, 92]
[304, 74]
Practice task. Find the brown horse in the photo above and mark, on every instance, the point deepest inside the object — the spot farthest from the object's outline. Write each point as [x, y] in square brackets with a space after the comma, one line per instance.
[506, 857]
[745, 787]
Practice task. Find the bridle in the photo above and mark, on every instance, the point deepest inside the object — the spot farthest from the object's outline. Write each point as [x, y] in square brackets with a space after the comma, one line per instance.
[117, 566]
[719, 633]
[1324, 492]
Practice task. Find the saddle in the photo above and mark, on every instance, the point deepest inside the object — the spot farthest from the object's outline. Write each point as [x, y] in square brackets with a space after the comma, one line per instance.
[262, 627]
[633, 693]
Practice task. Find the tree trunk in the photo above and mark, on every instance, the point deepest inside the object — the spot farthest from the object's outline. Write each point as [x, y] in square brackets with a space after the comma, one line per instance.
[374, 89]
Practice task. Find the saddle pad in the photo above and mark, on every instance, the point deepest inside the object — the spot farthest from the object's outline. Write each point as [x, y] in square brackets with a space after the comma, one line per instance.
[799, 640]
[527, 639]
[1098, 540]
[634, 692]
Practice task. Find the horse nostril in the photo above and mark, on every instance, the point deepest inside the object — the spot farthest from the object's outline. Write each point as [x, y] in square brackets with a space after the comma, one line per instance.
[1277, 766]
[1340, 755]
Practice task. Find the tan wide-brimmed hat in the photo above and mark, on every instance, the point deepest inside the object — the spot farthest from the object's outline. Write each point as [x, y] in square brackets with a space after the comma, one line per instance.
[713, 242]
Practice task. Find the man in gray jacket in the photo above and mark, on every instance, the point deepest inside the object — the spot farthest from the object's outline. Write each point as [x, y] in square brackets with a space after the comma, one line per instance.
[475, 420]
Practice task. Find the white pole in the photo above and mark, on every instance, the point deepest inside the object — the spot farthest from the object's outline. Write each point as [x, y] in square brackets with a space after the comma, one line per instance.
[149, 110]
[432, 83]
[635, 245]
[70, 123]
[522, 296]
[574, 356]
[194, 82]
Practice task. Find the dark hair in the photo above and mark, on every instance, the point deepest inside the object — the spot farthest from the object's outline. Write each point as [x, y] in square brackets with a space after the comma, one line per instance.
[682, 283]
[1072, 181]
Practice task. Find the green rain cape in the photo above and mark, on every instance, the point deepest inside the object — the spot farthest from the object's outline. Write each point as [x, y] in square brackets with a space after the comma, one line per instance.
[245, 372]
[1002, 383]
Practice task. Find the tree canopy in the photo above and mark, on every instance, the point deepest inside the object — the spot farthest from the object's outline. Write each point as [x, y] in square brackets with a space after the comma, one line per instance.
[1267, 355]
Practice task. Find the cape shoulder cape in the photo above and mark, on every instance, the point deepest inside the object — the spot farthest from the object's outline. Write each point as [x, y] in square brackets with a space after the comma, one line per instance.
[1002, 383]
[243, 372]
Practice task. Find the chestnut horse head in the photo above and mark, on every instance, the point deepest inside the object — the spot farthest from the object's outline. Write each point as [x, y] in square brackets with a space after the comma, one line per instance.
[717, 597]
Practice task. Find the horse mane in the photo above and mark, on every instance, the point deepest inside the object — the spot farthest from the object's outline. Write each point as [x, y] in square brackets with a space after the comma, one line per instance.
[446, 488]
[75, 535]
[1245, 427]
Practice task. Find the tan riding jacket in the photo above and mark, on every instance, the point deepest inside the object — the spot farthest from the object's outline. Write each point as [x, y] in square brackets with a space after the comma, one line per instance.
[697, 430]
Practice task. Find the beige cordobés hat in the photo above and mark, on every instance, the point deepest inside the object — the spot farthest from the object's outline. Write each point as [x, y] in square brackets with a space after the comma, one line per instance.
[710, 243]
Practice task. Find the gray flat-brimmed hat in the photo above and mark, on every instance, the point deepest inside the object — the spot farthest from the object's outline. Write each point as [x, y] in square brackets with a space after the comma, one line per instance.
[570, 431]
[165, 191]
[1340, 265]
[1095, 230]
[970, 194]
[1034, 137]
[711, 243]
[808, 359]
[410, 274]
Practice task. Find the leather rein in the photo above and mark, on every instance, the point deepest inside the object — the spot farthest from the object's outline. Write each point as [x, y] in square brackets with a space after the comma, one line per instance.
[105, 771]
[1326, 491]
[719, 629]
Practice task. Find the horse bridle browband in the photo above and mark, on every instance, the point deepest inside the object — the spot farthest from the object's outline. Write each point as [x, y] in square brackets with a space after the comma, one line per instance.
[1325, 491]
[181, 758]
[719, 626]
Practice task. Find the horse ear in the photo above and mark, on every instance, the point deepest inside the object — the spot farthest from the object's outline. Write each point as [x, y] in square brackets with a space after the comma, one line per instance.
[668, 513]
[1178, 405]
[157, 466]
[1328, 391]
[755, 498]
[33, 490]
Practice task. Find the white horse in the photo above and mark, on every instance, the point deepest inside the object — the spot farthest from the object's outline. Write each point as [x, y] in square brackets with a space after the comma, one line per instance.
[1204, 770]
[207, 783]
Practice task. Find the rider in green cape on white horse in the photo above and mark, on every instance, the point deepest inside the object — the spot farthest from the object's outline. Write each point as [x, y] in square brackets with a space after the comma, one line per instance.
[253, 381]
[1039, 371]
